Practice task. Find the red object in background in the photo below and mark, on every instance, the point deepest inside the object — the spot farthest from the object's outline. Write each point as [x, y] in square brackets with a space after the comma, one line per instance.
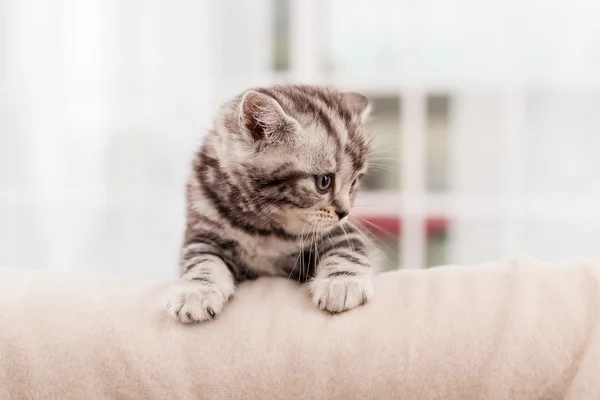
[392, 226]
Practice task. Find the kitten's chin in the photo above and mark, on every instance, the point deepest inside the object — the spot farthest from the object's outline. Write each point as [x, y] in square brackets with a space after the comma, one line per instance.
[297, 226]
[302, 227]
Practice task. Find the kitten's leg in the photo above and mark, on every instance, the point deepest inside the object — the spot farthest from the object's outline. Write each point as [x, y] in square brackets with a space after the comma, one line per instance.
[343, 278]
[204, 288]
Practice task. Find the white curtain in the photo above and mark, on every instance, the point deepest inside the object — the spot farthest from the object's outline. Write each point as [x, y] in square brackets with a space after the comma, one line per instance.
[540, 195]
[102, 103]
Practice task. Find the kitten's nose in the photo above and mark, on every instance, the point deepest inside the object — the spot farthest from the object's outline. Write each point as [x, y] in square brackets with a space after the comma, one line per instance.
[341, 214]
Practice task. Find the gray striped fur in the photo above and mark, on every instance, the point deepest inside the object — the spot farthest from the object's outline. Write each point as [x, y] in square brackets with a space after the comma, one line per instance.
[253, 207]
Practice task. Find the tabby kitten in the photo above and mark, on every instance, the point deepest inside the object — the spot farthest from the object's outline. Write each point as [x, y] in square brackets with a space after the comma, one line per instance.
[269, 194]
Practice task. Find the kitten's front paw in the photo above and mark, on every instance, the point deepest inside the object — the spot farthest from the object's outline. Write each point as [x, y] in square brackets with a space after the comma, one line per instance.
[341, 292]
[193, 302]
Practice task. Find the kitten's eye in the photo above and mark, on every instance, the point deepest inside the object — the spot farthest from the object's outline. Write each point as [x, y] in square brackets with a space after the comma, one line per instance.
[354, 182]
[323, 182]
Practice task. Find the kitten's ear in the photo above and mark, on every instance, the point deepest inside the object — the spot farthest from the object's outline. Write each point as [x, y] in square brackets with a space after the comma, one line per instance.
[263, 118]
[358, 103]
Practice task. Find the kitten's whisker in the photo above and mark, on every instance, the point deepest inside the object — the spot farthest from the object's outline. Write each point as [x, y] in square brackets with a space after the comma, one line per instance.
[309, 236]
[300, 254]
[381, 147]
[387, 150]
[347, 237]
[383, 159]
[316, 254]
[369, 205]
[329, 237]
[383, 166]
[360, 232]
[311, 257]
[379, 165]
[384, 170]
[388, 234]
[373, 241]
[384, 235]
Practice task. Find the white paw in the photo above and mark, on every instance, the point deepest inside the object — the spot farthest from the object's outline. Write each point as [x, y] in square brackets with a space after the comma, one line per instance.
[341, 293]
[196, 302]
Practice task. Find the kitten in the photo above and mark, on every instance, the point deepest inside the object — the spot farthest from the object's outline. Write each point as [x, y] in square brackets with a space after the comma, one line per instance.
[269, 194]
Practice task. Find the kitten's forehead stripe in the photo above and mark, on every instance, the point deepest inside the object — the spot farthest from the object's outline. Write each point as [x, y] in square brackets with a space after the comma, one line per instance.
[301, 99]
[329, 107]
[335, 104]
[335, 108]
[324, 105]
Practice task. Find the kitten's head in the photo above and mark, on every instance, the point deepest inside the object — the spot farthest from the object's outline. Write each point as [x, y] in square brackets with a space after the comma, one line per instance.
[298, 152]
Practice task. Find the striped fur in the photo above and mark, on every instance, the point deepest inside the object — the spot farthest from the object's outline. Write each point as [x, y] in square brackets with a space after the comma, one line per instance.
[254, 208]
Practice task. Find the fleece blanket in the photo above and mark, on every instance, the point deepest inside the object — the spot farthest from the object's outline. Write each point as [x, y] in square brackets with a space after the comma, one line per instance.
[515, 330]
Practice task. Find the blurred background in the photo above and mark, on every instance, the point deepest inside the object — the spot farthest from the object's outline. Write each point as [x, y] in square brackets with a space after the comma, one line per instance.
[486, 115]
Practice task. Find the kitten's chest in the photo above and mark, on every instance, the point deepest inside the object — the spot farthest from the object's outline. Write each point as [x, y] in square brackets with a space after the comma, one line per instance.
[270, 256]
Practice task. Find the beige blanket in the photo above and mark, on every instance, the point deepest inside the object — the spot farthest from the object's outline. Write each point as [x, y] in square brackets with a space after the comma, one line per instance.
[514, 331]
